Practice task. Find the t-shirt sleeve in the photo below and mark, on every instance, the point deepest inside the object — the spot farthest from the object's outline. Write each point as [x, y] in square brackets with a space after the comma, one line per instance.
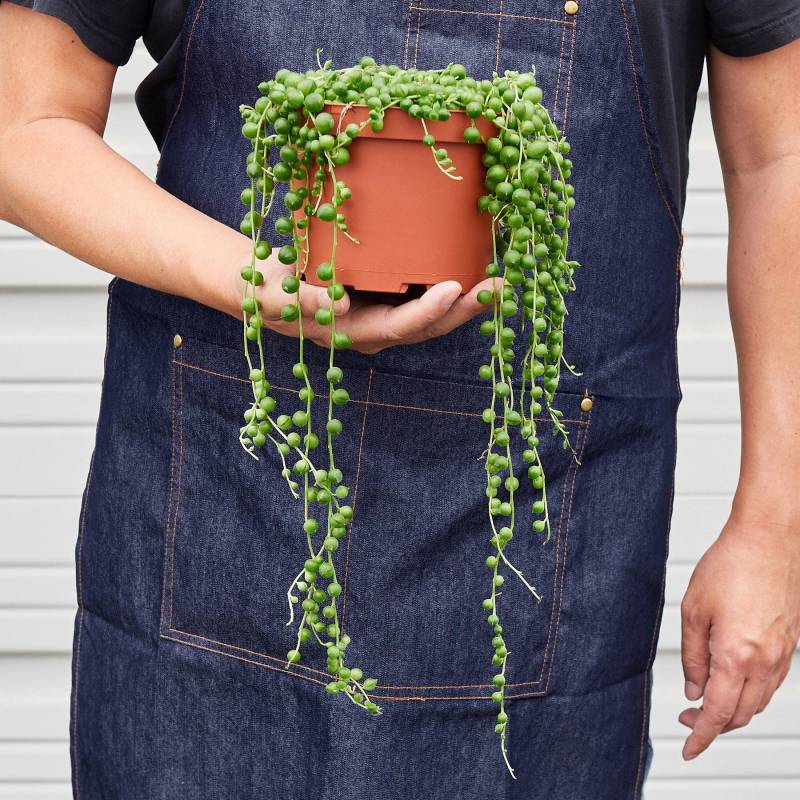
[108, 29]
[745, 28]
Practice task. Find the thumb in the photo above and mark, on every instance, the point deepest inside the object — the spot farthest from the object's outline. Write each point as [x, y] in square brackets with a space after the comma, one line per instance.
[695, 656]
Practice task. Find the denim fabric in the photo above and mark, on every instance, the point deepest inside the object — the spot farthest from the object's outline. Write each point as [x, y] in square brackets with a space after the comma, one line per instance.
[187, 545]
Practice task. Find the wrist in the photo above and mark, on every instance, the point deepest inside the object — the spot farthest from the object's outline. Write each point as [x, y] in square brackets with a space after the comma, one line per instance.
[772, 510]
[216, 278]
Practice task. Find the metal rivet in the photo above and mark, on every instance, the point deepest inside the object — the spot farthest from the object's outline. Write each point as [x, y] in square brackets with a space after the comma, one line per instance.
[586, 404]
[571, 7]
[177, 341]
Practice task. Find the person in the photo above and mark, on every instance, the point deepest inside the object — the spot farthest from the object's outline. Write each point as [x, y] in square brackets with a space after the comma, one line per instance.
[179, 682]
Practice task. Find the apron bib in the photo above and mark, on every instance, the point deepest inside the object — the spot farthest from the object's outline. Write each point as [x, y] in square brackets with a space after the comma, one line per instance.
[187, 545]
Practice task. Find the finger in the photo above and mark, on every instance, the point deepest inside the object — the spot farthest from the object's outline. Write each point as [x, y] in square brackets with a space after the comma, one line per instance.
[688, 717]
[405, 321]
[695, 629]
[373, 327]
[722, 692]
[463, 310]
[748, 704]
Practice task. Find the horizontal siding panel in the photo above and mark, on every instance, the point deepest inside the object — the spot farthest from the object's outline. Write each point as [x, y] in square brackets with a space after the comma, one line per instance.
[709, 401]
[36, 631]
[705, 171]
[31, 263]
[706, 214]
[53, 464]
[74, 314]
[39, 587]
[43, 761]
[705, 260]
[706, 356]
[60, 404]
[720, 789]
[39, 531]
[697, 520]
[74, 359]
[57, 790]
[708, 458]
[730, 758]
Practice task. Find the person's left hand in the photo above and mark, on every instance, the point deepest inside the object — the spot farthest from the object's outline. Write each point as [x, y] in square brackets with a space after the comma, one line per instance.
[740, 625]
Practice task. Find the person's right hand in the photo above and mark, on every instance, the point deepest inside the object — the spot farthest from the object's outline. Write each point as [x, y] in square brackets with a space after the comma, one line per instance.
[372, 326]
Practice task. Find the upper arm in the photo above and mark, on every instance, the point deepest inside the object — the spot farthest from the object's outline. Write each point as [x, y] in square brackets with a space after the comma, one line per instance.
[46, 71]
[755, 107]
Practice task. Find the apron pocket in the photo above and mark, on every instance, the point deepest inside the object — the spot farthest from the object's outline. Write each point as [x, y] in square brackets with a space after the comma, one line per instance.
[489, 37]
[412, 564]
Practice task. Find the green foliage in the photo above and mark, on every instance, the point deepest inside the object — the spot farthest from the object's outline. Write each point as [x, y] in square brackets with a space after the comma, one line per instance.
[527, 203]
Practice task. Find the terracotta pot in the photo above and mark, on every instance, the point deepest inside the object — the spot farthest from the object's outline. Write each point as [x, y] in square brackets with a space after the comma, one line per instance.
[414, 224]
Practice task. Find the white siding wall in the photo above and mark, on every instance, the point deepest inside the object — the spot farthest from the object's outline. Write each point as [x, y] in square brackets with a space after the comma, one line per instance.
[43, 469]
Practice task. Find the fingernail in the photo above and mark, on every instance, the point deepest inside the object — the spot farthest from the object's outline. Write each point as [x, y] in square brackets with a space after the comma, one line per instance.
[689, 756]
[692, 691]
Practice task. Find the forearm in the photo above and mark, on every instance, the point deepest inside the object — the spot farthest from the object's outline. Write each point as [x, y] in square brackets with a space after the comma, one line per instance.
[62, 182]
[764, 298]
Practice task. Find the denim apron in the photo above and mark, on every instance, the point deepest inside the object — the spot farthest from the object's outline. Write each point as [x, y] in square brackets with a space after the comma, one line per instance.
[187, 545]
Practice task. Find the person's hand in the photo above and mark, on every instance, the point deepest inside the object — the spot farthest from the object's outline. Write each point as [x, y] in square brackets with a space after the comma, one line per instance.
[371, 325]
[740, 623]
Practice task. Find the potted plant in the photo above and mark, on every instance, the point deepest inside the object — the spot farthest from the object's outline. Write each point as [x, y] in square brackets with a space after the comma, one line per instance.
[333, 131]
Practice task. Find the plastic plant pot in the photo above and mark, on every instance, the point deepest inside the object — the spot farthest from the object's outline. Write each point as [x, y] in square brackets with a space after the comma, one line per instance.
[414, 224]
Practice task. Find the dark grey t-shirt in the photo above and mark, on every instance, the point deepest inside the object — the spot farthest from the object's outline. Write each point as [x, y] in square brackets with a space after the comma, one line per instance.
[674, 33]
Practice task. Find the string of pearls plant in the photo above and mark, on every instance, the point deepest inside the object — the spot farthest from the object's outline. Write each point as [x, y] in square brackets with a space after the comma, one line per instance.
[527, 203]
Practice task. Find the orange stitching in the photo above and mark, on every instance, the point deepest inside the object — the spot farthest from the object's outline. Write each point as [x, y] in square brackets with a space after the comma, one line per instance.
[183, 79]
[291, 674]
[569, 77]
[355, 497]
[177, 504]
[416, 43]
[211, 372]
[246, 660]
[497, 44]
[560, 567]
[245, 650]
[558, 73]
[168, 516]
[494, 14]
[420, 408]
[644, 125]
[79, 561]
[362, 402]
[566, 547]
[408, 33]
